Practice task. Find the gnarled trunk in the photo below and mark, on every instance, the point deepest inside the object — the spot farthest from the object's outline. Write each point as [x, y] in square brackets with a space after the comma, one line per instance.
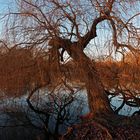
[97, 99]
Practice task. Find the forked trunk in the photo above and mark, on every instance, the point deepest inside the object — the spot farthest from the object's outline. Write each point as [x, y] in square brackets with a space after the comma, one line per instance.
[97, 99]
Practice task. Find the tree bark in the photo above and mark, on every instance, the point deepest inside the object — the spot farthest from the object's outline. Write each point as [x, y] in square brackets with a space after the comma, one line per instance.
[97, 98]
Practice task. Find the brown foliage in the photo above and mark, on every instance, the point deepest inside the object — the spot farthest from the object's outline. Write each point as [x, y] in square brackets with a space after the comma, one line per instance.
[20, 70]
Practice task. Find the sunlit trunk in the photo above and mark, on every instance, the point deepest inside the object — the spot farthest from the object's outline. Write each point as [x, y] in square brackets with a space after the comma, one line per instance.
[97, 99]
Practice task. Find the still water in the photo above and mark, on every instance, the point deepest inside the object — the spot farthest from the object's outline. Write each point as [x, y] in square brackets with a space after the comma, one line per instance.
[16, 111]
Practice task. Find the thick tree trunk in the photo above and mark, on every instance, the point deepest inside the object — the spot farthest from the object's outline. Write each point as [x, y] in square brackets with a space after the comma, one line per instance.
[97, 99]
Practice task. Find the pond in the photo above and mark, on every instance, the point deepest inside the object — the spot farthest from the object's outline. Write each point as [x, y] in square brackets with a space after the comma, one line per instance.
[14, 113]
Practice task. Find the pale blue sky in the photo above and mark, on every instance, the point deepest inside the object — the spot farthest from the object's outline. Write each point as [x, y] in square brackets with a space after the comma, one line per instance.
[5, 4]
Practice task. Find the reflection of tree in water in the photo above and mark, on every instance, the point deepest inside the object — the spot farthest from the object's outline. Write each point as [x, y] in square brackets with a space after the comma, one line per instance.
[50, 113]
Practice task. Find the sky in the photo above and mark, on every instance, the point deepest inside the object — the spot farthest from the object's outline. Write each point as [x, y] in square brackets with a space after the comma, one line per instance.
[4, 4]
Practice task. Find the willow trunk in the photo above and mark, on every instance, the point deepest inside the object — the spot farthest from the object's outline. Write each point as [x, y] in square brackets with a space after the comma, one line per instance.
[97, 98]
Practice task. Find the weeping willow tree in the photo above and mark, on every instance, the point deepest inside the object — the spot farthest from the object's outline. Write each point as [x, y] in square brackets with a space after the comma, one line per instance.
[65, 29]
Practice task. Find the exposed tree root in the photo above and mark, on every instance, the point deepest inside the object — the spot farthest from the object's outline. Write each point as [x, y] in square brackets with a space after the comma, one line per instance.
[119, 128]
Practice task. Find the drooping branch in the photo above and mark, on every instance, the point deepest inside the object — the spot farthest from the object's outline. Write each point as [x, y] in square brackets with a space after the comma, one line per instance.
[115, 39]
[71, 18]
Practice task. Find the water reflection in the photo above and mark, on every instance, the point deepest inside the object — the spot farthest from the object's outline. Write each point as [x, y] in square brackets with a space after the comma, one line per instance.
[20, 114]
[126, 110]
